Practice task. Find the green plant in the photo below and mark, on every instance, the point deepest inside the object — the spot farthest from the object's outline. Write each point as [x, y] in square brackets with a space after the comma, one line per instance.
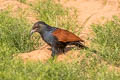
[22, 1]
[14, 33]
[108, 37]
[54, 14]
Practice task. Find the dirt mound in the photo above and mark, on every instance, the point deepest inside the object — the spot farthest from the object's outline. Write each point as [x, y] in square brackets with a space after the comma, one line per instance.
[40, 54]
[44, 53]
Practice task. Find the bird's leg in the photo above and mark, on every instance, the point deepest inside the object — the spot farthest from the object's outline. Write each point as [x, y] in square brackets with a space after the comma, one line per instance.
[63, 51]
[54, 51]
[63, 48]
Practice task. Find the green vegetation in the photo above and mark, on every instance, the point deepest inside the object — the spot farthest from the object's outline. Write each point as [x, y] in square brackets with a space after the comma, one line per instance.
[14, 33]
[22, 1]
[108, 41]
[48, 11]
[54, 14]
[14, 39]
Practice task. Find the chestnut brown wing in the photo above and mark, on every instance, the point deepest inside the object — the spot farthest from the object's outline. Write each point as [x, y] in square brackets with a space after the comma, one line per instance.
[65, 36]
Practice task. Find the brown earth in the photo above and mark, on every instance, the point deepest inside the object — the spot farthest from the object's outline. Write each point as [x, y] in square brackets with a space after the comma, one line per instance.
[88, 11]
[93, 11]
[18, 9]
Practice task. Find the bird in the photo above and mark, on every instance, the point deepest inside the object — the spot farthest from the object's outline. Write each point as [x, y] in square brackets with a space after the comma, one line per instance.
[55, 37]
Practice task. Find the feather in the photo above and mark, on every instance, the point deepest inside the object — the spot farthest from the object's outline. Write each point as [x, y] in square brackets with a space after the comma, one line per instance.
[65, 36]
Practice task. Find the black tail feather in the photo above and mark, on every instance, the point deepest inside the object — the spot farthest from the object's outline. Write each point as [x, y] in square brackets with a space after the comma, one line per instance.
[80, 45]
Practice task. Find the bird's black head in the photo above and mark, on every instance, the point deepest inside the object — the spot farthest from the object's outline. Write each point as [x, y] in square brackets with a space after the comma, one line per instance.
[38, 27]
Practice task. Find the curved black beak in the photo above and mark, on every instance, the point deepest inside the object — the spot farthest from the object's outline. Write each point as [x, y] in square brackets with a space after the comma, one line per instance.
[31, 32]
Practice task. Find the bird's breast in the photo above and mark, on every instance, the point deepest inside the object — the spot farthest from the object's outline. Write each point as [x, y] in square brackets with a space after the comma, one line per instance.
[48, 37]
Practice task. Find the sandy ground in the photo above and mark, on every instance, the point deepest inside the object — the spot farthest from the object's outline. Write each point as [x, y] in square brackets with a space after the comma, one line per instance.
[88, 11]
[93, 11]
[18, 9]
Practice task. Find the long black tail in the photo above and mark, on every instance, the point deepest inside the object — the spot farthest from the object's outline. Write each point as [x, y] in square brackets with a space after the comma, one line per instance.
[80, 45]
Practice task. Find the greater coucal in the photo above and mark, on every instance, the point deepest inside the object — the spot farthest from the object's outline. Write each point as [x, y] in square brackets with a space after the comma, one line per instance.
[57, 38]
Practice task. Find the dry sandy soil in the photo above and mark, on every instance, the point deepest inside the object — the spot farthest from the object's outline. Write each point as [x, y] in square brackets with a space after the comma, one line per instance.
[88, 11]
[18, 9]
